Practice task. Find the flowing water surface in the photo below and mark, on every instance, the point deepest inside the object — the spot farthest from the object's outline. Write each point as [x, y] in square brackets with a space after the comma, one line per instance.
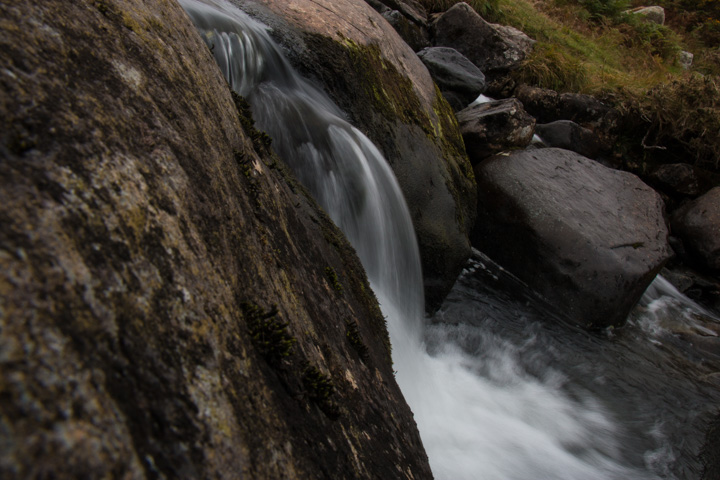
[499, 388]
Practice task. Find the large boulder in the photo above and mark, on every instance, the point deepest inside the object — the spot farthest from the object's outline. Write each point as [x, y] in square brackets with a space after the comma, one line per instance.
[172, 305]
[387, 92]
[493, 127]
[460, 81]
[494, 49]
[588, 238]
[698, 225]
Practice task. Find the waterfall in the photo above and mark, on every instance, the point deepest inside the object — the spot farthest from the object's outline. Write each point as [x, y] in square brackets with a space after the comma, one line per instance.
[481, 411]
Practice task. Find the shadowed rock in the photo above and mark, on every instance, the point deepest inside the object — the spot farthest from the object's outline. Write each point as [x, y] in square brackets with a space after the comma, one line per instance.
[569, 135]
[587, 238]
[460, 81]
[698, 224]
[493, 127]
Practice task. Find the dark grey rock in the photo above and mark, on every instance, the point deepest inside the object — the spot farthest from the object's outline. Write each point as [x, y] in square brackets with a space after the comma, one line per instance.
[493, 127]
[494, 49]
[677, 179]
[587, 238]
[416, 36]
[698, 224]
[569, 135]
[460, 81]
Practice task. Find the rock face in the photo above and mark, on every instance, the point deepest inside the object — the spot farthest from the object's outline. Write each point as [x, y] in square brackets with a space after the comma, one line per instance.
[417, 36]
[172, 305]
[587, 238]
[372, 74]
[493, 127]
[494, 49]
[698, 225]
[569, 135]
[460, 81]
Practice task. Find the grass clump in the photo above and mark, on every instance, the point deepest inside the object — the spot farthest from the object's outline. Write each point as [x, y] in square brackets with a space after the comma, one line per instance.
[686, 112]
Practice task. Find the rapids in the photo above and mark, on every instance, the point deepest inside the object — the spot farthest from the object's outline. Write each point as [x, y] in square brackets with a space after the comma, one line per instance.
[499, 388]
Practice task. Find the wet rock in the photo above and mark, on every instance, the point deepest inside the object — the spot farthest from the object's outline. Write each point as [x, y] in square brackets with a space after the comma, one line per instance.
[494, 49]
[460, 81]
[416, 36]
[587, 238]
[165, 302]
[493, 127]
[569, 135]
[698, 225]
[382, 85]
[652, 14]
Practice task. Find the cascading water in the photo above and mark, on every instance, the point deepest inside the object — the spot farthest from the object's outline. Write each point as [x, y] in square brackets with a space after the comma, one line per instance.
[487, 405]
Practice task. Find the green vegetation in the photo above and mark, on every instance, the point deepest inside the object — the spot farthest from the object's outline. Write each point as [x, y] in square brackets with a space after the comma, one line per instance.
[353, 336]
[332, 279]
[269, 334]
[321, 390]
[597, 47]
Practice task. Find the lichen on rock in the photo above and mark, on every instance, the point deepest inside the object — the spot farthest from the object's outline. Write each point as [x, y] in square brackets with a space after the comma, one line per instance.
[139, 213]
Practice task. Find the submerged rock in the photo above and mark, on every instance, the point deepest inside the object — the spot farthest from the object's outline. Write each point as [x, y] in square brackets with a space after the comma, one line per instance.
[379, 81]
[587, 238]
[494, 49]
[493, 127]
[173, 305]
[698, 224]
[460, 81]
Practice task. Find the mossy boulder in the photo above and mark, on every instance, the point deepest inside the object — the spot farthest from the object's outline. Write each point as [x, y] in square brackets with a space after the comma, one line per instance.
[379, 82]
[165, 304]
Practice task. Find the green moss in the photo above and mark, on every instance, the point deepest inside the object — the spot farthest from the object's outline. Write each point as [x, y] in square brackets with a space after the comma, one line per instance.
[353, 336]
[332, 279]
[261, 140]
[321, 390]
[268, 333]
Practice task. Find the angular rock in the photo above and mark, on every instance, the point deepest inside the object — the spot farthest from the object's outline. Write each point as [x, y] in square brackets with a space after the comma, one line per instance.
[652, 14]
[698, 225]
[165, 304]
[569, 135]
[494, 49]
[460, 81]
[382, 85]
[492, 127]
[416, 36]
[588, 238]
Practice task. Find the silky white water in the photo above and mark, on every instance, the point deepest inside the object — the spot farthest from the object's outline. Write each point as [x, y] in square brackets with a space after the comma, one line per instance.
[481, 413]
